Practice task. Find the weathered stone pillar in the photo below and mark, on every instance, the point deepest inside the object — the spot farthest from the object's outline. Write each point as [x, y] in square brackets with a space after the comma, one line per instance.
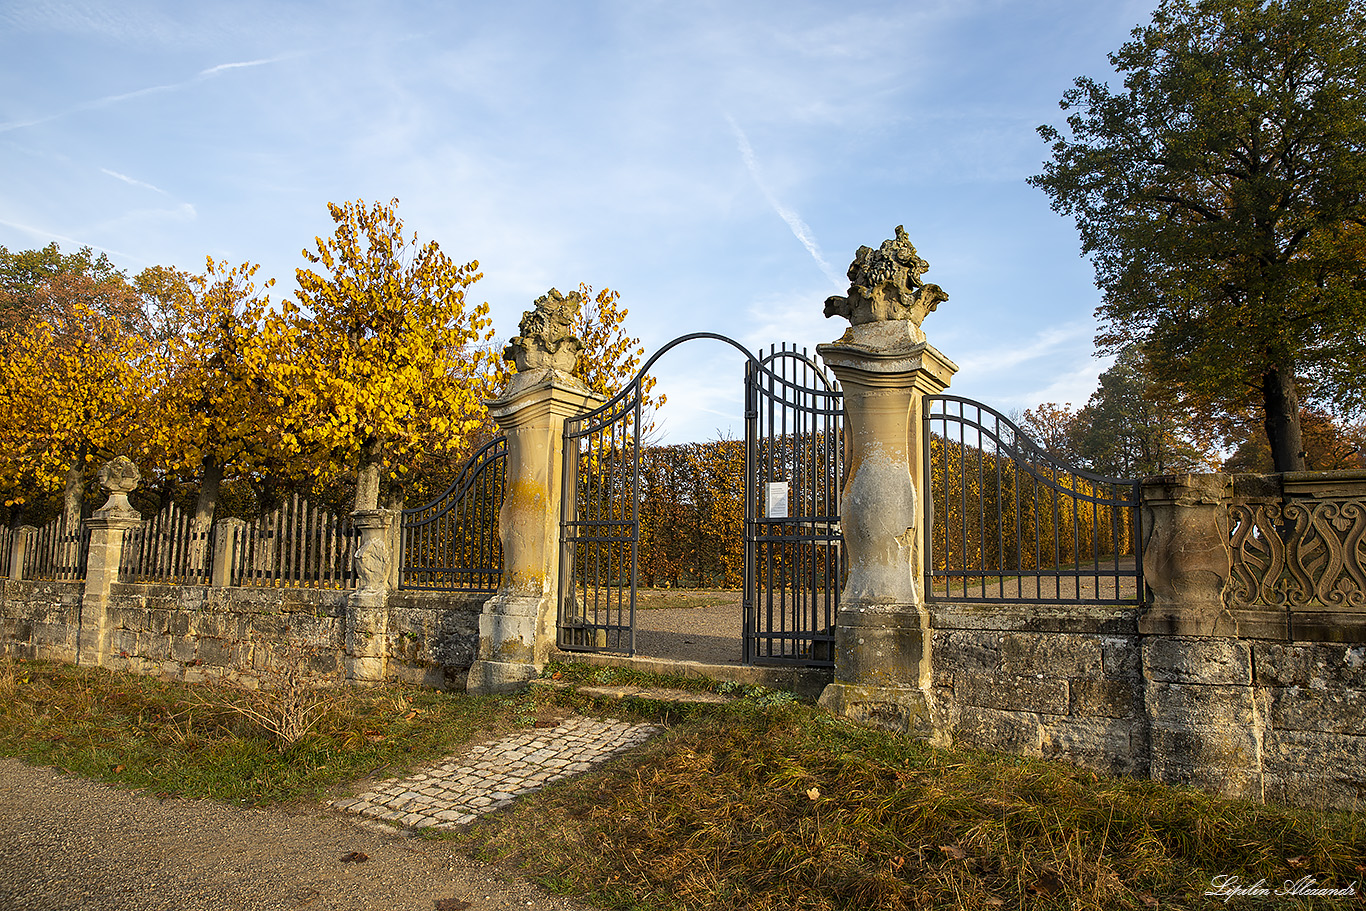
[517, 626]
[118, 478]
[23, 535]
[1186, 554]
[1206, 719]
[885, 366]
[367, 607]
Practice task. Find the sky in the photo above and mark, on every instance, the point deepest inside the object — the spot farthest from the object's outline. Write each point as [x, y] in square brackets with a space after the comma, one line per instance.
[717, 164]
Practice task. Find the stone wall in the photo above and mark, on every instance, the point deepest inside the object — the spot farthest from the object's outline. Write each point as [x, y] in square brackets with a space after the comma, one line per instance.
[198, 632]
[1043, 681]
[1267, 718]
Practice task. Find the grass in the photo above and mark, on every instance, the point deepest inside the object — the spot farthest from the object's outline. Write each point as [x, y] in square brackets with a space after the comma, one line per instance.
[763, 803]
[197, 741]
[675, 598]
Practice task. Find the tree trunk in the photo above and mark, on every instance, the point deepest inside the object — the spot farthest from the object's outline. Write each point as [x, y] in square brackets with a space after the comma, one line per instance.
[71, 496]
[1282, 404]
[367, 478]
[211, 479]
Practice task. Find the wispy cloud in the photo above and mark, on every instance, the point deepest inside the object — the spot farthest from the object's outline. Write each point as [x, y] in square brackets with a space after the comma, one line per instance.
[108, 100]
[799, 228]
[133, 182]
[1045, 342]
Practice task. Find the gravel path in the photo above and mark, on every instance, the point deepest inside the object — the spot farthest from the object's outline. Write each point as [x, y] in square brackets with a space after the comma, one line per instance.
[710, 634]
[68, 844]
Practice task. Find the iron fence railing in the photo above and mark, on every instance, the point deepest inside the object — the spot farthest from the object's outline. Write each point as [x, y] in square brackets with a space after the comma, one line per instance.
[1008, 522]
[451, 543]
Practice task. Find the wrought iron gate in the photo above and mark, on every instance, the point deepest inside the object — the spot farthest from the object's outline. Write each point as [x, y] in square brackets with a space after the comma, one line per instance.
[1008, 522]
[793, 569]
[794, 566]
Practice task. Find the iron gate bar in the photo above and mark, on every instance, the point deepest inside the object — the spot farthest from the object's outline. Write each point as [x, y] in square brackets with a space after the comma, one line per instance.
[1008, 442]
[605, 618]
[441, 539]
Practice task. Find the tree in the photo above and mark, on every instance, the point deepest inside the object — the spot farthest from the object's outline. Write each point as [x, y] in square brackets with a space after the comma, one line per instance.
[609, 357]
[1133, 427]
[1222, 199]
[40, 284]
[212, 413]
[391, 363]
[71, 394]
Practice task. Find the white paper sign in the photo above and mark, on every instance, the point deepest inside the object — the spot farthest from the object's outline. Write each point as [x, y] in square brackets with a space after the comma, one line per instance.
[777, 500]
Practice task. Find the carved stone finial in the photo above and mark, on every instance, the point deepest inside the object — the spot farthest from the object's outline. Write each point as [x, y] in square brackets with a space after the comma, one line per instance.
[884, 284]
[119, 477]
[545, 339]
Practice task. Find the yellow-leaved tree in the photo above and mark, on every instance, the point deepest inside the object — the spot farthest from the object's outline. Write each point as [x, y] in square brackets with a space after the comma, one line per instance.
[71, 395]
[393, 365]
[610, 358]
[213, 415]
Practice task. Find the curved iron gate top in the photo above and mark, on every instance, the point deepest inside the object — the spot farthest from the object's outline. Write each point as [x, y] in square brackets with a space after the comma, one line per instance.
[451, 542]
[600, 519]
[1008, 522]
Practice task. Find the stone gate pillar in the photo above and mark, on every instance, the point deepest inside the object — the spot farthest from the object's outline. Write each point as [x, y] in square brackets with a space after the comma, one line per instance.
[517, 626]
[119, 478]
[885, 366]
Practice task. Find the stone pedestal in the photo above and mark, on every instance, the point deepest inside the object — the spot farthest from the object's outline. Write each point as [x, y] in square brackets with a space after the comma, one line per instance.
[367, 607]
[517, 626]
[1186, 559]
[882, 637]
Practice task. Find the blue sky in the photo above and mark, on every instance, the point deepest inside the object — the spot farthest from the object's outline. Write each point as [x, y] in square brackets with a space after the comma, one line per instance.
[716, 163]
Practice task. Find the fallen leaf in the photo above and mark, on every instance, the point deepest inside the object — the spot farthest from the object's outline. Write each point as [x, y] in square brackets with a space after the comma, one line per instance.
[1048, 883]
[355, 857]
[451, 904]
[410, 716]
[118, 768]
[995, 903]
[954, 851]
[1297, 861]
[897, 863]
[1149, 901]
[814, 793]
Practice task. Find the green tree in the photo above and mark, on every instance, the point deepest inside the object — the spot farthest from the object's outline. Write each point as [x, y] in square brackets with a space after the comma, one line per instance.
[1133, 427]
[1222, 198]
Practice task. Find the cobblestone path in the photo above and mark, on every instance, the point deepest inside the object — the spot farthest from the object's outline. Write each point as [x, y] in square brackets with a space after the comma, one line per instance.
[492, 775]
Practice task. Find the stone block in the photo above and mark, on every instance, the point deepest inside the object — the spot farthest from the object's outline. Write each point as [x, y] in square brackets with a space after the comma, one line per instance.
[1010, 693]
[1112, 746]
[1019, 733]
[183, 649]
[1335, 790]
[1121, 657]
[1182, 704]
[1316, 753]
[123, 642]
[967, 650]
[1104, 698]
[1203, 750]
[1175, 659]
[214, 652]
[1051, 654]
[1312, 665]
[1337, 711]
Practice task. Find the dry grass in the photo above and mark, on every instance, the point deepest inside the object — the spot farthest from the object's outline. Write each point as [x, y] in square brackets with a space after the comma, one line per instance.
[785, 807]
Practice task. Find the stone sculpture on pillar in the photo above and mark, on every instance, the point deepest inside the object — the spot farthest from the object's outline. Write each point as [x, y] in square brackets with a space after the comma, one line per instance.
[517, 625]
[885, 367]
